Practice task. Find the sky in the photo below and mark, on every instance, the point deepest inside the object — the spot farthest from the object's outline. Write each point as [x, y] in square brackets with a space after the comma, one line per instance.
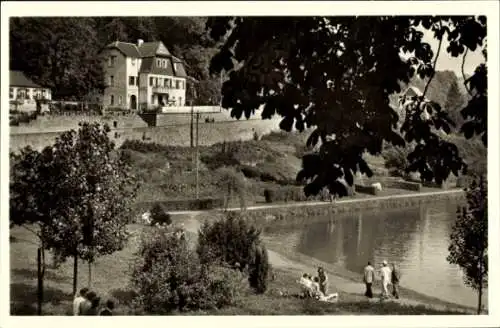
[446, 62]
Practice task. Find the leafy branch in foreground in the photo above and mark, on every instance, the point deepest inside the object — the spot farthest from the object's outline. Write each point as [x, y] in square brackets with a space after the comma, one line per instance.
[335, 75]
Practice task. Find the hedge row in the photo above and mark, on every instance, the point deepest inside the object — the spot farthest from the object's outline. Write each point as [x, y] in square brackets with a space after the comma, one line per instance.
[371, 190]
[186, 204]
[289, 194]
[22, 117]
[407, 185]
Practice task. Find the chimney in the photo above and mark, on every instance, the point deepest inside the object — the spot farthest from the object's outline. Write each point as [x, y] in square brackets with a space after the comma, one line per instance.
[140, 42]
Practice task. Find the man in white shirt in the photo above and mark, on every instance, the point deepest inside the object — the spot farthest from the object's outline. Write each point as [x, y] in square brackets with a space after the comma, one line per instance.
[307, 285]
[386, 273]
[79, 299]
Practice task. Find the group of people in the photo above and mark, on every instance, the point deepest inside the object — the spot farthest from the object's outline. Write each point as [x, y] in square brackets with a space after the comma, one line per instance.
[87, 302]
[389, 276]
[317, 287]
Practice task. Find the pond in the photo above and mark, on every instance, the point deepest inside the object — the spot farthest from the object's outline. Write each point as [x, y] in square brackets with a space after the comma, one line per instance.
[415, 238]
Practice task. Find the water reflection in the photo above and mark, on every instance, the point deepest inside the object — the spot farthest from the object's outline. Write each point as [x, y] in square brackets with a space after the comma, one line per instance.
[415, 238]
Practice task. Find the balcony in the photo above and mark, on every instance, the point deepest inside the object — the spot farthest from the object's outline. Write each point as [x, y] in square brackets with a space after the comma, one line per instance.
[159, 89]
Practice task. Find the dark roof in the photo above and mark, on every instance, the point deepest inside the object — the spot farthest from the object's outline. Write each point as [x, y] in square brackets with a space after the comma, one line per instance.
[148, 49]
[128, 49]
[179, 70]
[18, 79]
[149, 66]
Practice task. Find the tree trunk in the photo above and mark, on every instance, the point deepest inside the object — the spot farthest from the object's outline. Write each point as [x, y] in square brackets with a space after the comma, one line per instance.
[75, 274]
[40, 281]
[90, 275]
[480, 298]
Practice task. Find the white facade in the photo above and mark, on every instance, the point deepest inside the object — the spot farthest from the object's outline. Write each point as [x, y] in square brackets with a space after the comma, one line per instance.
[142, 77]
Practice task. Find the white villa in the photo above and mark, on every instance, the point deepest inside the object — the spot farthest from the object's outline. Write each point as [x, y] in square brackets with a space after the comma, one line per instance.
[142, 76]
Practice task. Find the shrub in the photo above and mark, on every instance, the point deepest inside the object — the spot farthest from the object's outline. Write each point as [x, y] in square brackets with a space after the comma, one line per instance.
[159, 216]
[259, 272]
[231, 183]
[396, 159]
[269, 195]
[236, 243]
[167, 275]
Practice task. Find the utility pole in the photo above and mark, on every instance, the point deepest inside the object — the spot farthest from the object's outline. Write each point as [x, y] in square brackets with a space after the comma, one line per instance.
[197, 155]
[191, 125]
[220, 94]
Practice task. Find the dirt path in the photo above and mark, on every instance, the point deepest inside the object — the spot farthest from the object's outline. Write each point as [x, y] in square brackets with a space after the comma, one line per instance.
[344, 201]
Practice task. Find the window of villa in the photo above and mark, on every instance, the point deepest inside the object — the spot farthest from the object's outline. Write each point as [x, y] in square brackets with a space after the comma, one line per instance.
[111, 61]
[180, 101]
[131, 80]
[120, 99]
[111, 80]
[158, 62]
[111, 100]
[177, 84]
[150, 81]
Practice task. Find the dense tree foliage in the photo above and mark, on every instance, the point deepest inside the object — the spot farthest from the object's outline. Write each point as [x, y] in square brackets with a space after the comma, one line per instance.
[336, 74]
[469, 239]
[57, 52]
[62, 52]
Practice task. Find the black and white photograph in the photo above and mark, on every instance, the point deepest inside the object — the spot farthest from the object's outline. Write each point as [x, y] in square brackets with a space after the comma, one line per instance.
[257, 163]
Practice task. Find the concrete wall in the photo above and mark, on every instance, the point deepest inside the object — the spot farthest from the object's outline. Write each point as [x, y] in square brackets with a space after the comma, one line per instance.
[179, 134]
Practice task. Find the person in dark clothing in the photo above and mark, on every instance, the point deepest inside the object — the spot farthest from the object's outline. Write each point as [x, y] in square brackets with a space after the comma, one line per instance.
[368, 278]
[108, 309]
[395, 277]
[86, 305]
[94, 308]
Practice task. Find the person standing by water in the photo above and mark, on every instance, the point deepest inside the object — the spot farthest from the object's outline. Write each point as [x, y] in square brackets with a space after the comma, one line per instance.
[395, 277]
[386, 274]
[369, 276]
[323, 280]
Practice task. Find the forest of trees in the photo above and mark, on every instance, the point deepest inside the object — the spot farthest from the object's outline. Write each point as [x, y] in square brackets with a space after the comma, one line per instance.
[63, 52]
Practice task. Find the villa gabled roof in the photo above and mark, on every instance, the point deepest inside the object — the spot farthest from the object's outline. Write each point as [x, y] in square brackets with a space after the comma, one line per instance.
[149, 66]
[18, 79]
[148, 51]
[151, 49]
[128, 49]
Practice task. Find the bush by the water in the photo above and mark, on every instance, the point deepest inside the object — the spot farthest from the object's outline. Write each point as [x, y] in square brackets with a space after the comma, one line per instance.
[160, 216]
[167, 275]
[235, 242]
[259, 271]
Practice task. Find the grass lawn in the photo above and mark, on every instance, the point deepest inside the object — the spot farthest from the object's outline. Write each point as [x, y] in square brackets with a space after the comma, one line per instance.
[110, 277]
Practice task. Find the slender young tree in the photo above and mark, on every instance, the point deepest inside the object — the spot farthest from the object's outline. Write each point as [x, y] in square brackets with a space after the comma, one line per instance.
[469, 239]
[80, 197]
